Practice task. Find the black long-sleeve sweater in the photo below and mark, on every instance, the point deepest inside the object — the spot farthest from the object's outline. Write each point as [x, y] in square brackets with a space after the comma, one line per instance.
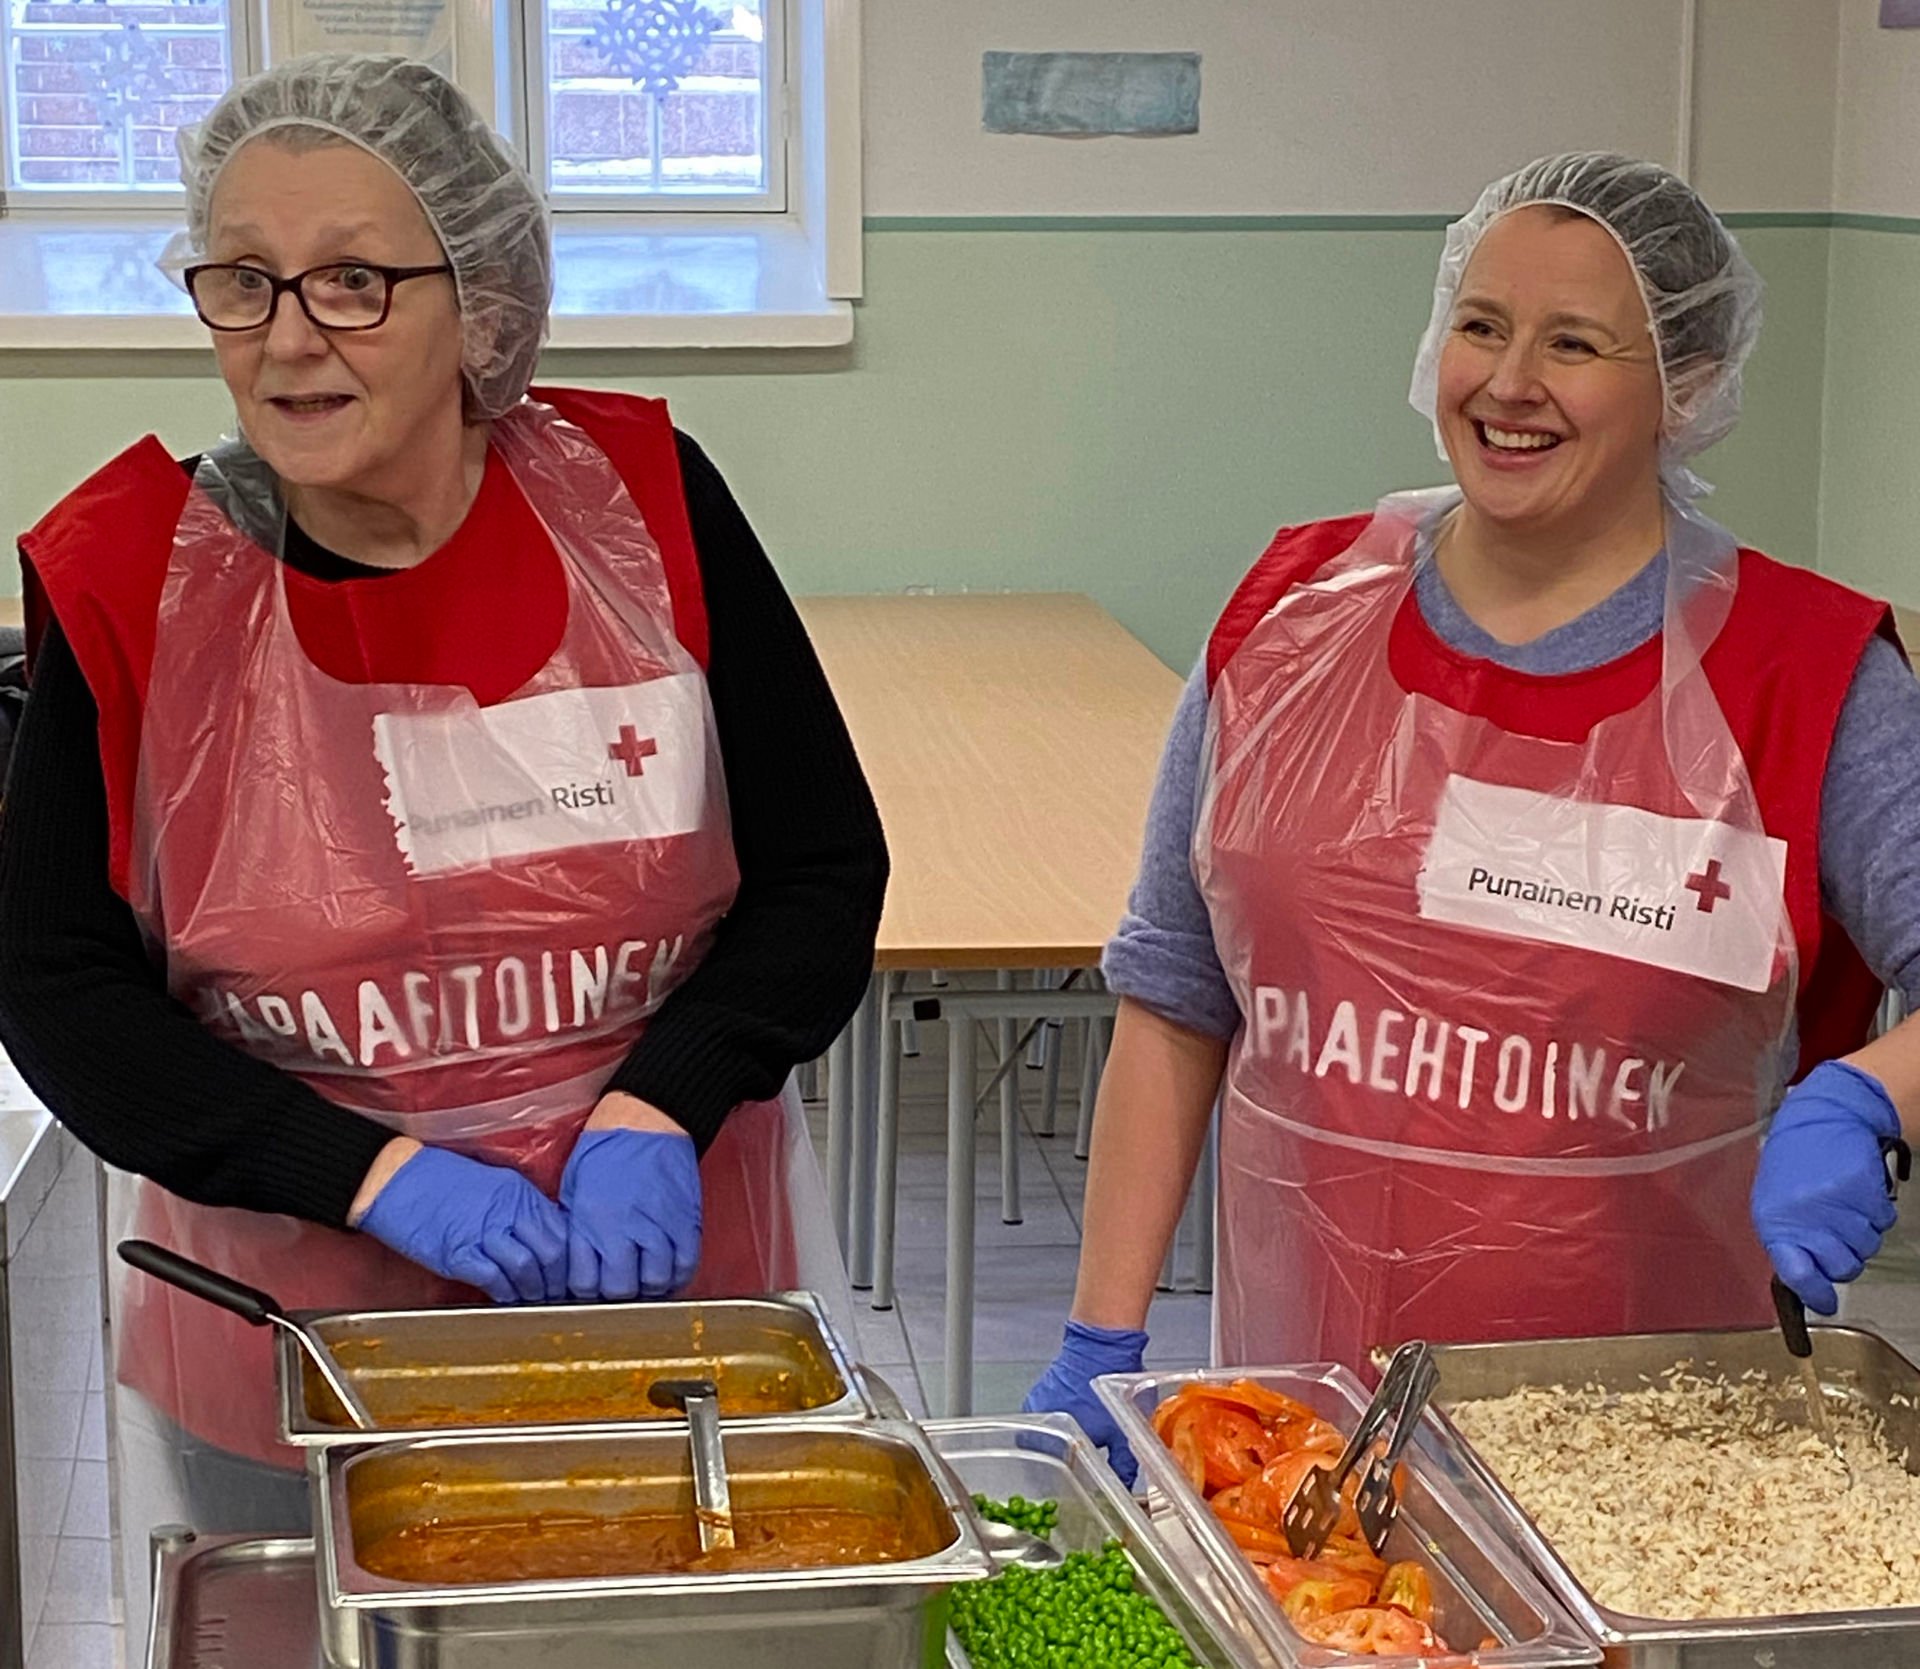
[86, 1017]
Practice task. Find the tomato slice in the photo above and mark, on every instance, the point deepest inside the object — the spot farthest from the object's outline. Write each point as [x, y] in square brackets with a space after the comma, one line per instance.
[1185, 1444]
[1319, 1597]
[1372, 1631]
[1261, 1539]
[1233, 1444]
[1407, 1587]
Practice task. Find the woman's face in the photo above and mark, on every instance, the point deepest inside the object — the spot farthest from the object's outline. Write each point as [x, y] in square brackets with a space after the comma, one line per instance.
[1549, 389]
[335, 409]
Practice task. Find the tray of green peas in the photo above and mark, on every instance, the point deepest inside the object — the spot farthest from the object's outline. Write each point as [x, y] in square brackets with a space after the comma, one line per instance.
[1119, 1601]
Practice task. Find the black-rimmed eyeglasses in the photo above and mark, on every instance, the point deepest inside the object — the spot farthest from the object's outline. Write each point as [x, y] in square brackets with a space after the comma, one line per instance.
[343, 295]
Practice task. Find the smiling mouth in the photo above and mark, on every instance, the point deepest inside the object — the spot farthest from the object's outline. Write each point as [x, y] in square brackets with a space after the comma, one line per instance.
[309, 405]
[1497, 439]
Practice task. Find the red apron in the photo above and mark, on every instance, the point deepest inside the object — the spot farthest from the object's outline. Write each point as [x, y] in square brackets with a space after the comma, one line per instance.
[1517, 959]
[454, 918]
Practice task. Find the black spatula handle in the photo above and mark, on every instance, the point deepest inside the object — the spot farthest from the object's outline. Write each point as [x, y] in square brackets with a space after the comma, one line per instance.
[249, 1303]
[1793, 1319]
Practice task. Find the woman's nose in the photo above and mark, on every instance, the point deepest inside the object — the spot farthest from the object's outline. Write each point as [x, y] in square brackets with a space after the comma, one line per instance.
[1516, 375]
[290, 333]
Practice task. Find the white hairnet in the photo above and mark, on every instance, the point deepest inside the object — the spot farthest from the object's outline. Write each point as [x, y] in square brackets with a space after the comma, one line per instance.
[485, 209]
[1702, 293]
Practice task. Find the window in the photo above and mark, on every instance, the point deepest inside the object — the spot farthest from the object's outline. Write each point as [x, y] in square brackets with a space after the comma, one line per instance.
[96, 90]
[703, 155]
[681, 119]
[629, 104]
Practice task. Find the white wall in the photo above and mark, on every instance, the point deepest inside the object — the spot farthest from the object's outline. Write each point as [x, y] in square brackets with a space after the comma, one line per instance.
[1877, 147]
[1356, 106]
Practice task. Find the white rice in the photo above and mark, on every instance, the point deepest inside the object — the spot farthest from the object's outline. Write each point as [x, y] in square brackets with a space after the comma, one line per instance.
[1692, 1498]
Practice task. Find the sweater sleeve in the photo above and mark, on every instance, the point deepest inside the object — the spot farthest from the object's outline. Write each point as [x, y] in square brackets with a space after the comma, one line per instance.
[1163, 955]
[86, 1017]
[791, 960]
[1870, 818]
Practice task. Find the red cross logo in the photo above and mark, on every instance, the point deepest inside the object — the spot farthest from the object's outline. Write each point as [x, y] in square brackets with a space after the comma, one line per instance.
[633, 750]
[1708, 886]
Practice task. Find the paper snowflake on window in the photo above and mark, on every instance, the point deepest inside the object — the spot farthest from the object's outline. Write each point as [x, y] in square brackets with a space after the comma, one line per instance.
[654, 42]
[132, 70]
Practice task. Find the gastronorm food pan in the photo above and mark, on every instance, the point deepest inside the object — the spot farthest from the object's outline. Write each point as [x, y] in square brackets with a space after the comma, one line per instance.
[228, 1602]
[1852, 1362]
[500, 1368]
[1488, 1604]
[565, 1486]
[1048, 1458]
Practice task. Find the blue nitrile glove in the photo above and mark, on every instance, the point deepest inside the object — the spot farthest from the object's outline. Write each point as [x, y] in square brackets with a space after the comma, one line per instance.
[632, 1199]
[1067, 1386]
[473, 1222]
[1820, 1202]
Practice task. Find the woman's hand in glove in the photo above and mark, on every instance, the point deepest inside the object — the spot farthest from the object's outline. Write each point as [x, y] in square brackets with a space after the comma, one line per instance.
[469, 1221]
[631, 1193]
[1067, 1386]
[1821, 1200]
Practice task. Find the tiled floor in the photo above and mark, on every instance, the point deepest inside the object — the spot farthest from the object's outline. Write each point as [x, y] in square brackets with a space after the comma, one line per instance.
[67, 1573]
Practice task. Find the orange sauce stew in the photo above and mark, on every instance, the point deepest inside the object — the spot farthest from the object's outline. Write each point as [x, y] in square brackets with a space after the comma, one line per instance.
[622, 1400]
[546, 1547]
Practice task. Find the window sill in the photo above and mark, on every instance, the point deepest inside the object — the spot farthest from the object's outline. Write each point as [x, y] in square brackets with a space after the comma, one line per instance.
[621, 282]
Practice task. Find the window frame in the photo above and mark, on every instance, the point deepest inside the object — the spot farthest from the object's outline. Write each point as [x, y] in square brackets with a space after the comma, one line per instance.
[242, 34]
[810, 259]
[536, 98]
[517, 98]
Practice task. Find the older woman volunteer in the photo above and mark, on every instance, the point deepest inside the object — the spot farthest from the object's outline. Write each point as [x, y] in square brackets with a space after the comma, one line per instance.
[430, 819]
[1512, 846]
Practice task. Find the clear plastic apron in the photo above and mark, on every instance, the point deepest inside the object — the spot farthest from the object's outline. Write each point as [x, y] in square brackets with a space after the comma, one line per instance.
[1514, 1008]
[455, 919]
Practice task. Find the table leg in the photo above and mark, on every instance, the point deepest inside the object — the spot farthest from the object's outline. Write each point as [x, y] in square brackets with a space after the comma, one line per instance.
[867, 1044]
[960, 1174]
[1053, 1039]
[886, 1159]
[840, 1132]
[1009, 1034]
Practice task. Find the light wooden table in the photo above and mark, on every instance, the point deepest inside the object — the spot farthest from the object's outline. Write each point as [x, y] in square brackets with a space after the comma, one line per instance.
[1011, 742]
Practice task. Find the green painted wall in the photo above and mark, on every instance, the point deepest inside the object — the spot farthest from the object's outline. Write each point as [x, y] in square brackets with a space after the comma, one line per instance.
[1123, 411]
[1870, 487]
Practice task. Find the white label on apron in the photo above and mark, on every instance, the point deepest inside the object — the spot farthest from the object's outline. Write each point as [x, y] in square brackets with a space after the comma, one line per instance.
[570, 768]
[1698, 897]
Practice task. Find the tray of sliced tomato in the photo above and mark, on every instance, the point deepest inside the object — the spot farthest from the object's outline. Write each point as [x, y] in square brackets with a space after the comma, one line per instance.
[1223, 1451]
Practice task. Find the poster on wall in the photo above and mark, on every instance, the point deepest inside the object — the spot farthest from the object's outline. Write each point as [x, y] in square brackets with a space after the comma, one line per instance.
[1900, 14]
[455, 36]
[412, 28]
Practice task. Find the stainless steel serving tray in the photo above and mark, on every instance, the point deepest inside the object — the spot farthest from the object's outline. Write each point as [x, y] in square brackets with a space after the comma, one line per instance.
[422, 1371]
[1483, 1589]
[229, 1602]
[872, 1616]
[232, 1602]
[1048, 1458]
[1851, 1361]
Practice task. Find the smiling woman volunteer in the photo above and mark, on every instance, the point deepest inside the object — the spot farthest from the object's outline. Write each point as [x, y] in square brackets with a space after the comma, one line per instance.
[429, 806]
[1511, 845]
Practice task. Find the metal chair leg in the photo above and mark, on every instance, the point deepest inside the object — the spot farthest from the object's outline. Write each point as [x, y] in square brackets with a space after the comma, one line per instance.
[840, 1134]
[886, 1164]
[961, 1061]
[1009, 1035]
[866, 1059]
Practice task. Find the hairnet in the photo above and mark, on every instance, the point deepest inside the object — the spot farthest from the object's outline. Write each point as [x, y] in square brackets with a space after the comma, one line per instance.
[489, 217]
[1702, 294]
